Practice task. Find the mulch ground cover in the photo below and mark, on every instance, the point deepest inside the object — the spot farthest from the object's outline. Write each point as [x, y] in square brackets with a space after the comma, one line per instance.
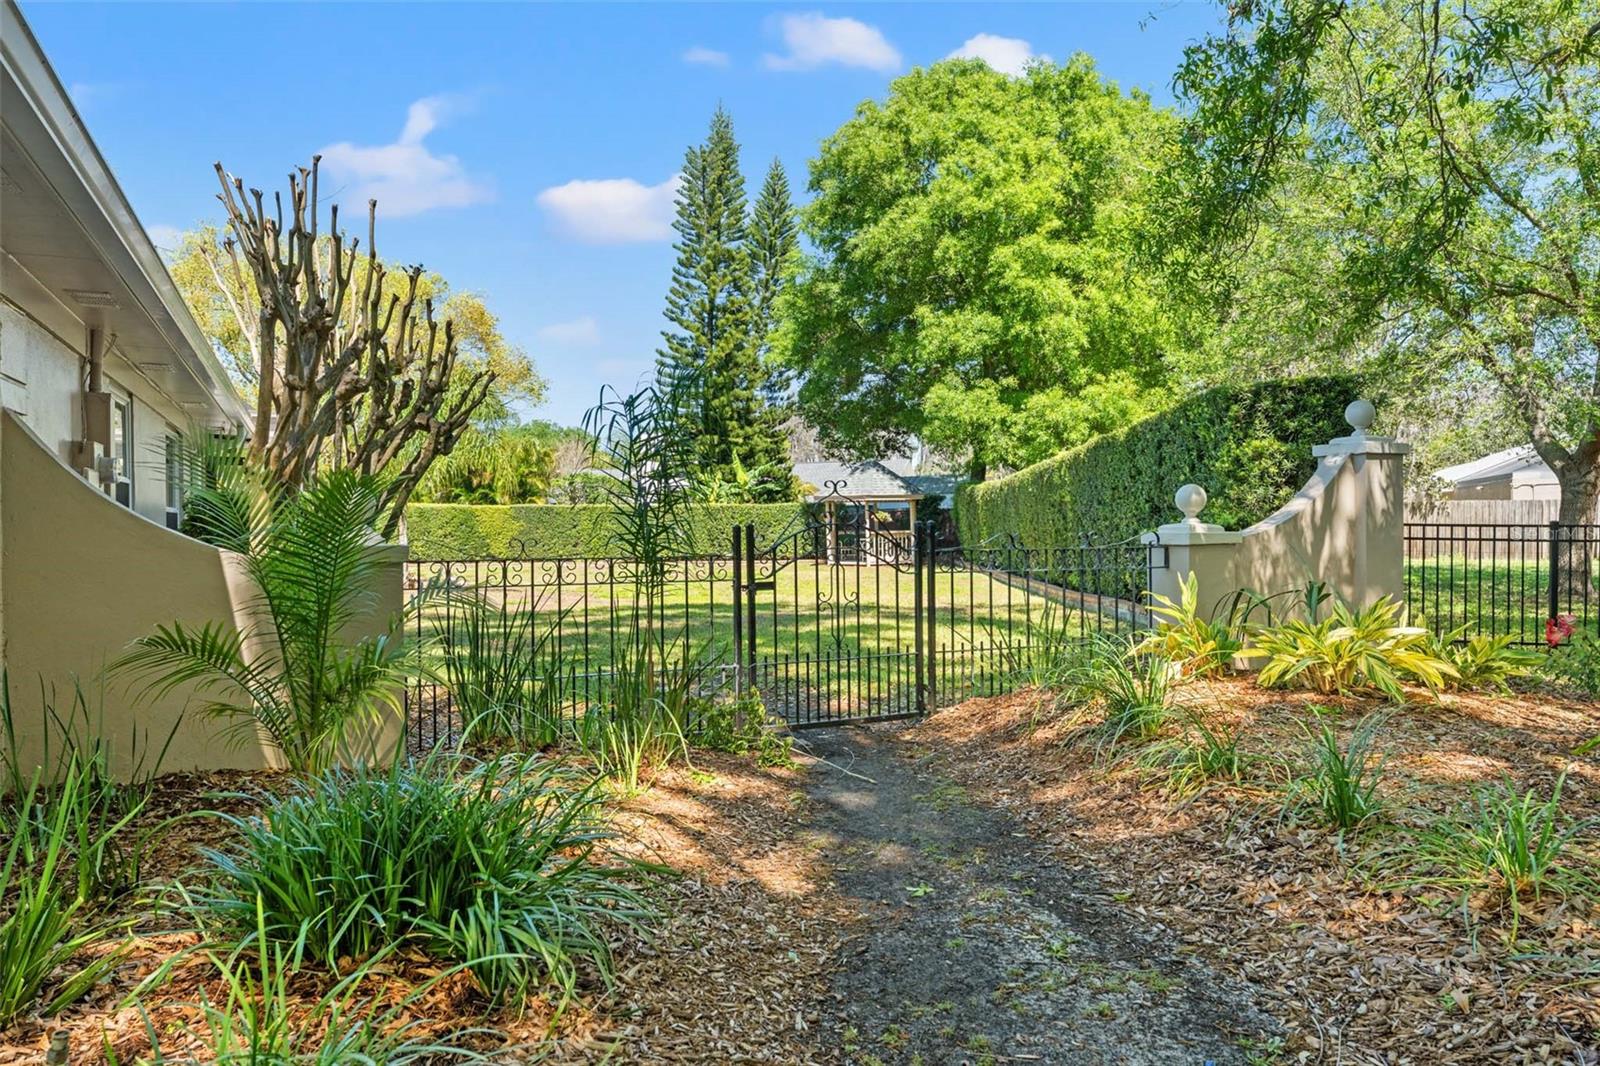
[733, 970]
[1362, 965]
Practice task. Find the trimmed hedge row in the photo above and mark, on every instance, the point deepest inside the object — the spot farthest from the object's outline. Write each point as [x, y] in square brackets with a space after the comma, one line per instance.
[1249, 447]
[557, 531]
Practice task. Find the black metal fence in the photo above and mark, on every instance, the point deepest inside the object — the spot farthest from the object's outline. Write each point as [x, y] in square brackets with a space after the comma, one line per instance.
[1502, 579]
[831, 623]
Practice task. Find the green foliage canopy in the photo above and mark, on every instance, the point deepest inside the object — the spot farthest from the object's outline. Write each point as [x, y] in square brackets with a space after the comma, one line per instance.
[976, 240]
[1432, 170]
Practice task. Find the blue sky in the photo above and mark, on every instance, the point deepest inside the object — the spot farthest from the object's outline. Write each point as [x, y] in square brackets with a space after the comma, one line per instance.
[526, 151]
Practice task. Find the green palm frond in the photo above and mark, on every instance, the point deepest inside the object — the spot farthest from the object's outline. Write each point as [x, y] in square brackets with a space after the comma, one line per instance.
[314, 560]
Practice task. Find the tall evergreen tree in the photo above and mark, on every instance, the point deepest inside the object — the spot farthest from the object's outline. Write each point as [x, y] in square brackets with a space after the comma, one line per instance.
[713, 336]
[774, 241]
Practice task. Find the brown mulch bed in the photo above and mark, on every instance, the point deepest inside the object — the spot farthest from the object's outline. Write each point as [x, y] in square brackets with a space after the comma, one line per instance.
[1361, 967]
[733, 971]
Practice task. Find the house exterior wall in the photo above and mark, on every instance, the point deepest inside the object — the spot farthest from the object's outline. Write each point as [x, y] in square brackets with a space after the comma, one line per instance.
[41, 380]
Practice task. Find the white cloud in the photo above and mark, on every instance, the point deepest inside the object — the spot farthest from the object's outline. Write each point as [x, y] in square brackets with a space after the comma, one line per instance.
[708, 57]
[814, 41]
[405, 177]
[166, 238]
[579, 333]
[613, 210]
[1008, 55]
[85, 94]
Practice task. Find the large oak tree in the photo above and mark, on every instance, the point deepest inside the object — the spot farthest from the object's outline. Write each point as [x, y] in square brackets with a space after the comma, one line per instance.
[1423, 179]
[976, 279]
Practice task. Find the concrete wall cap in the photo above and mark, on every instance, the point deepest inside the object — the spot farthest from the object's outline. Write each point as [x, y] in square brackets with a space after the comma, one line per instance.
[1182, 534]
[1361, 445]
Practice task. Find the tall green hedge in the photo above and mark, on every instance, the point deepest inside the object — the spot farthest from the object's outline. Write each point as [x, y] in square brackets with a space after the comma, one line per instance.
[1249, 447]
[551, 531]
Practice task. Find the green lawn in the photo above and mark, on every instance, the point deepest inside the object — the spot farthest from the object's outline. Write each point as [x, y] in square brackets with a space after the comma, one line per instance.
[1502, 596]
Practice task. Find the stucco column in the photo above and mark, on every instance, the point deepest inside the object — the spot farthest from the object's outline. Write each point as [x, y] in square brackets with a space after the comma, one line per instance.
[1369, 516]
[1191, 546]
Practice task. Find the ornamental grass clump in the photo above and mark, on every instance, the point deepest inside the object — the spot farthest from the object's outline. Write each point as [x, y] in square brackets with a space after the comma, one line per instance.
[1508, 848]
[1341, 788]
[505, 866]
[1204, 754]
[1133, 688]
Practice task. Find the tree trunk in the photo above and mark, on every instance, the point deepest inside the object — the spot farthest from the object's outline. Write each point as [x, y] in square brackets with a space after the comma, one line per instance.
[977, 470]
[1576, 540]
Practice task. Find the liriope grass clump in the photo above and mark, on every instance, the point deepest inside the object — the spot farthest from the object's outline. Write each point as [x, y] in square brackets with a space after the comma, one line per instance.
[1340, 788]
[505, 866]
[1508, 848]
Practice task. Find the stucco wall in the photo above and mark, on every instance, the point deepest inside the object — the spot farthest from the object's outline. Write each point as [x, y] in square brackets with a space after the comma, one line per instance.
[1345, 529]
[83, 577]
[40, 380]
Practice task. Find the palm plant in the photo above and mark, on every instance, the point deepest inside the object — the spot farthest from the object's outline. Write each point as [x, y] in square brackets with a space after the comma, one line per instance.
[293, 670]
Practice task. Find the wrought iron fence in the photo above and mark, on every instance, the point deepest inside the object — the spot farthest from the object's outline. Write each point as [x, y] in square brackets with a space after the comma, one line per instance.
[1501, 579]
[829, 624]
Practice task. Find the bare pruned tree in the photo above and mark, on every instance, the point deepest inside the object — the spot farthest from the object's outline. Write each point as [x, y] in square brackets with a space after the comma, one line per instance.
[352, 372]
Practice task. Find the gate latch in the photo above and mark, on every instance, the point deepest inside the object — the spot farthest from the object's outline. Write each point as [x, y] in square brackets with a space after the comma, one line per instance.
[762, 586]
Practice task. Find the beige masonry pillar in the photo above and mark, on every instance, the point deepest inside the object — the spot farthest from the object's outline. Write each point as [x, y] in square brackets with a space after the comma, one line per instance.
[1191, 546]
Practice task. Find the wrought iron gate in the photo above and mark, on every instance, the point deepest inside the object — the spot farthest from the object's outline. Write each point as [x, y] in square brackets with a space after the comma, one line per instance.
[837, 622]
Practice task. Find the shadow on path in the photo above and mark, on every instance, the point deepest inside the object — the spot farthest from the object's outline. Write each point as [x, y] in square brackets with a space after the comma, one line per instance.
[978, 947]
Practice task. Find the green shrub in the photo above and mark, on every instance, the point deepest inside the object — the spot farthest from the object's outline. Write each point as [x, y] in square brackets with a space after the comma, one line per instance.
[1250, 448]
[740, 727]
[502, 866]
[1350, 651]
[561, 531]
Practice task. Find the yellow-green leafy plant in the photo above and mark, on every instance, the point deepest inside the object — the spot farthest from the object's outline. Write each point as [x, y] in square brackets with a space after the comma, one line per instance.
[1198, 646]
[1351, 651]
[1484, 662]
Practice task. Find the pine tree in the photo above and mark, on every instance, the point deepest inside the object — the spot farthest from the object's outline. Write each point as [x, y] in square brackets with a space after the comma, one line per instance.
[713, 338]
[773, 242]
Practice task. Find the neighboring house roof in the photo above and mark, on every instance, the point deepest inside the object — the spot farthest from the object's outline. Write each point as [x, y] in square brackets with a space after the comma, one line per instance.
[936, 485]
[1518, 466]
[868, 480]
[75, 251]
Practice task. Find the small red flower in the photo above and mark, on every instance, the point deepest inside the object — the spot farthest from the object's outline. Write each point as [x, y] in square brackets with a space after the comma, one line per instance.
[1558, 629]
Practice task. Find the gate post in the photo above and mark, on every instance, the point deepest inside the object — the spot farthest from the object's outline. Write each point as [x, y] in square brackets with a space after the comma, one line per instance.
[750, 600]
[930, 637]
[919, 551]
[738, 614]
[1556, 565]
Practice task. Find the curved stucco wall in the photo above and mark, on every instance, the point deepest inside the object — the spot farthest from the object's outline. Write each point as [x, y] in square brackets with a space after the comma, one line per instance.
[1345, 528]
[82, 577]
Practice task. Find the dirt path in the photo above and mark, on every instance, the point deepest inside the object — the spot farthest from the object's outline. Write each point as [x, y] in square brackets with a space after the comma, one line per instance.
[978, 946]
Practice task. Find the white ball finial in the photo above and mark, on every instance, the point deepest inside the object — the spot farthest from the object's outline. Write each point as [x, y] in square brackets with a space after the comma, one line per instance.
[1360, 414]
[1191, 500]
